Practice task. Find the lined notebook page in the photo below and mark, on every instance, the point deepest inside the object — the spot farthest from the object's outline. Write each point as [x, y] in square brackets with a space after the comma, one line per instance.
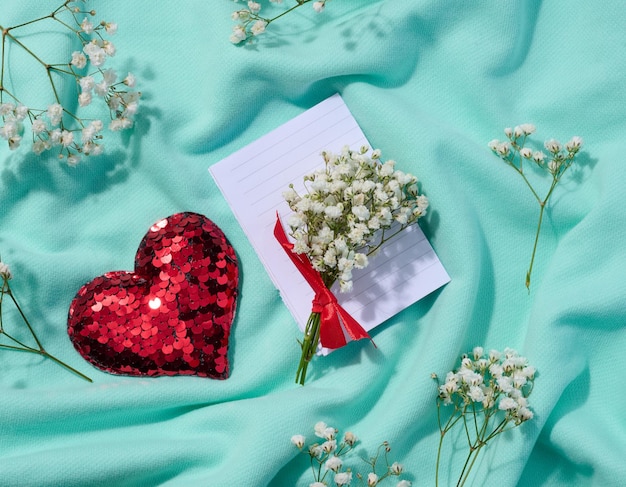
[253, 179]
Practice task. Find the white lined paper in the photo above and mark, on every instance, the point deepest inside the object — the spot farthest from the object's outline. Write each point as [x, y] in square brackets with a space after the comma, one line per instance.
[252, 181]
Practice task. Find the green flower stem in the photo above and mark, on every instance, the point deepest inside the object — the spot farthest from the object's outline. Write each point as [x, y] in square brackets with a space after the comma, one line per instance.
[6, 33]
[475, 448]
[473, 454]
[452, 420]
[442, 434]
[318, 473]
[38, 59]
[532, 257]
[21, 346]
[481, 436]
[308, 345]
[562, 163]
[45, 354]
[298, 4]
[23, 46]
[63, 364]
[542, 205]
[52, 15]
[19, 309]
[6, 290]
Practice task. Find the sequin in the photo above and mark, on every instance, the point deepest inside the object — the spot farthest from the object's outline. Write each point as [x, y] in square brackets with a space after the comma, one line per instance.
[172, 315]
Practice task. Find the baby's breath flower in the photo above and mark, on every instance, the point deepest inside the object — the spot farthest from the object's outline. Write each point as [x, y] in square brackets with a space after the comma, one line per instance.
[524, 414]
[334, 464]
[55, 126]
[503, 148]
[526, 153]
[476, 394]
[527, 128]
[538, 157]
[120, 124]
[78, 60]
[110, 28]
[5, 272]
[6, 109]
[574, 144]
[403, 483]
[529, 372]
[9, 130]
[329, 446]
[316, 451]
[97, 55]
[372, 479]
[55, 113]
[552, 145]
[514, 154]
[238, 34]
[84, 99]
[488, 395]
[254, 7]
[356, 195]
[258, 27]
[86, 26]
[334, 458]
[251, 23]
[477, 352]
[342, 217]
[322, 430]
[493, 144]
[298, 440]
[343, 478]
[507, 403]
[130, 80]
[350, 438]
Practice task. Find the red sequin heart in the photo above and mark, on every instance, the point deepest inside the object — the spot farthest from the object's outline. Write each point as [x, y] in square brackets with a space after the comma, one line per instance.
[172, 316]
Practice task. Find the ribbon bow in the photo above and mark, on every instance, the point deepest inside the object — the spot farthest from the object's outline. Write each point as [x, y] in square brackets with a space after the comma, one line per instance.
[333, 318]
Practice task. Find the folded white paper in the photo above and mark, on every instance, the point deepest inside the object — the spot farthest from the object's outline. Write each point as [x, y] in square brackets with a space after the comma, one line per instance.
[253, 180]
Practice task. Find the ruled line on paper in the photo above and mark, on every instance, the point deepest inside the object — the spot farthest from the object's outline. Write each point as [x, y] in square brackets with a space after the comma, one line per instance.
[252, 181]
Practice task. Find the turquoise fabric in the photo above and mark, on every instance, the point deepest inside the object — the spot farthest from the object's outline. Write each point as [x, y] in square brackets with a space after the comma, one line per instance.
[430, 83]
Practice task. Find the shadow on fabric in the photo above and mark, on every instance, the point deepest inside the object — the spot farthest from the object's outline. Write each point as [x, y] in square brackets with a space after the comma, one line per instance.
[547, 463]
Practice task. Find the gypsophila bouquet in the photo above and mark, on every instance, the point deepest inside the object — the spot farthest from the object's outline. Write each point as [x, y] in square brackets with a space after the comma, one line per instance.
[55, 126]
[251, 23]
[487, 395]
[556, 162]
[329, 462]
[352, 206]
[16, 343]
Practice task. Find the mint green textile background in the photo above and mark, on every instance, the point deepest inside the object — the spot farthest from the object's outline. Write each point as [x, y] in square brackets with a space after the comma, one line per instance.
[430, 83]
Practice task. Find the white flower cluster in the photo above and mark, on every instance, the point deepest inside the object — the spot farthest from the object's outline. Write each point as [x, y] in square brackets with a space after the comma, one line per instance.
[328, 455]
[514, 153]
[503, 380]
[560, 157]
[348, 207]
[252, 24]
[56, 126]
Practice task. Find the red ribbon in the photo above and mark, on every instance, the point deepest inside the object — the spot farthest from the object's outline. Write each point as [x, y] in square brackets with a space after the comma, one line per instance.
[334, 319]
